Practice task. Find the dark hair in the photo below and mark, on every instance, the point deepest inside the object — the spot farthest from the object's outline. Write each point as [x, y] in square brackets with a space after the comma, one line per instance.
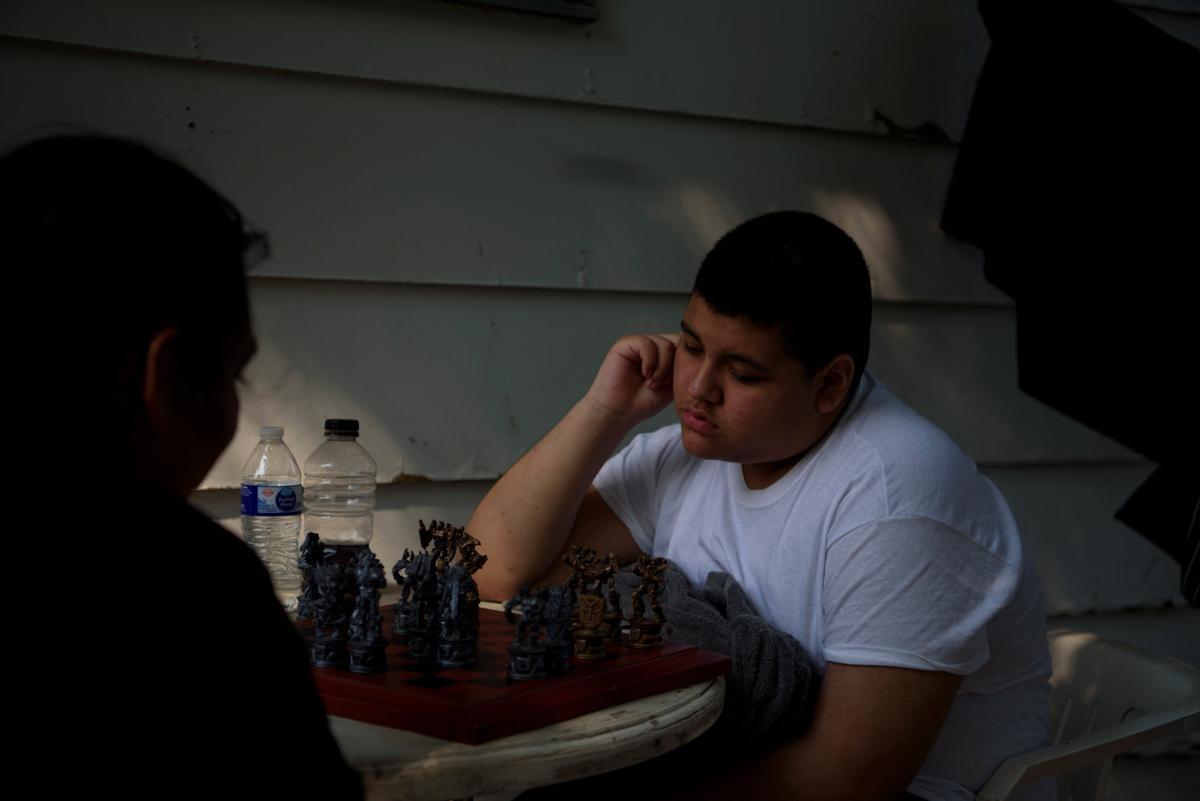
[798, 273]
[114, 243]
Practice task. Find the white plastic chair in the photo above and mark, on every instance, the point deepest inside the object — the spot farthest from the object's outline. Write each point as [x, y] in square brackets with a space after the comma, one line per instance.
[1106, 698]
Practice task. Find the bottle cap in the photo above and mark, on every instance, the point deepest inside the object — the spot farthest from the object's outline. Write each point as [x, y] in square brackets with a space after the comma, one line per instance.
[343, 427]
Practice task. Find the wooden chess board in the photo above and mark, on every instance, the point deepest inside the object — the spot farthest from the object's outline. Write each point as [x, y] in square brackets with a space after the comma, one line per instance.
[480, 703]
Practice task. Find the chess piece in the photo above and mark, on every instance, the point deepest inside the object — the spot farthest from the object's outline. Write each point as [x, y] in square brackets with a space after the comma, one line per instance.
[611, 626]
[459, 618]
[423, 624]
[643, 632]
[585, 583]
[580, 560]
[589, 635]
[526, 655]
[329, 619]
[402, 611]
[557, 602]
[367, 643]
[310, 556]
[438, 612]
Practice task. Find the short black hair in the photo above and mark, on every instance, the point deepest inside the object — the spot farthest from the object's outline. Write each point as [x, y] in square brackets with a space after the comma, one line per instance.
[111, 243]
[797, 273]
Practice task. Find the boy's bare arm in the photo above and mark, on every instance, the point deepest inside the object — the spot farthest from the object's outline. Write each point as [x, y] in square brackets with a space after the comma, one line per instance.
[871, 731]
[524, 522]
[597, 527]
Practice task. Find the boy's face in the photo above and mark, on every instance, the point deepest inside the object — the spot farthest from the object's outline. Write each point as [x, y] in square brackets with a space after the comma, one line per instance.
[739, 395]
[206, 413]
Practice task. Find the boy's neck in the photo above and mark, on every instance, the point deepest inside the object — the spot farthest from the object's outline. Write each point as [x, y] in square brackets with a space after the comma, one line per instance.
[761, 476]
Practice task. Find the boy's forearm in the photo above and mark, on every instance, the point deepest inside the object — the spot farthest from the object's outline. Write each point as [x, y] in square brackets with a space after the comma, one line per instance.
[524, 520]
[872, 729]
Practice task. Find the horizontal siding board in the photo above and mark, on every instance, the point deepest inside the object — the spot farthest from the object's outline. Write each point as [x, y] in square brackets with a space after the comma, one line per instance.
[355, 181]
[822, 64]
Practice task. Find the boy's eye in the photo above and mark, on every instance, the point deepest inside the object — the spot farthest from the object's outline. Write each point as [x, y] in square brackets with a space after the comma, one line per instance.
[744, 379]
[691, 347]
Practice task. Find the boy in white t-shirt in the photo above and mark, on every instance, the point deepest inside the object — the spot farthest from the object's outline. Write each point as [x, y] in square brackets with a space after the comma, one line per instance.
[852, 523]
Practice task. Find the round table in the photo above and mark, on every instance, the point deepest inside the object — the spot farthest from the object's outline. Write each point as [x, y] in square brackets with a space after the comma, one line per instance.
[398, 764]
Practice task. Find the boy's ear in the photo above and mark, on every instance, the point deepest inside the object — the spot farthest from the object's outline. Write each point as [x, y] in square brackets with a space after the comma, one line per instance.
[833, 383]
[158, 383]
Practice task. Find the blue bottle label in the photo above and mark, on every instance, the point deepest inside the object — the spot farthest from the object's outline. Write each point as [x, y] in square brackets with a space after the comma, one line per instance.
[267, 501]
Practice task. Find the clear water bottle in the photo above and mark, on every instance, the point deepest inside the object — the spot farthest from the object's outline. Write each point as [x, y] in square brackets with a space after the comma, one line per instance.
[339, 492]
[271, 506]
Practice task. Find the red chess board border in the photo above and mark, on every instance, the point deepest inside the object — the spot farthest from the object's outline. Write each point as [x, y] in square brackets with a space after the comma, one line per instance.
[480, 703]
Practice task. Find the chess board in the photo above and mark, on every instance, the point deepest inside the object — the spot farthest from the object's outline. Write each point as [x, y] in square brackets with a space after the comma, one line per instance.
[480, 703]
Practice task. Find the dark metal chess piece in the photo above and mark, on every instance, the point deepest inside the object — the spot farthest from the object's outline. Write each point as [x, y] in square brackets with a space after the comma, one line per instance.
[440, 540]
[367, 643]
[402, 612]
[459, 618]
[579, 559]
[611, 627]
[329, 618]
[459, 635]
[526, 655]
[423, 626]
[585, 582]
[438, 611]
[643, 632]
[311, 555]
[557, 602]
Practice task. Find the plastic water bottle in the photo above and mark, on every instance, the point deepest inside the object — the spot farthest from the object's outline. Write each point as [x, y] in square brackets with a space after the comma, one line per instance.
[271, 506]
[339, 492]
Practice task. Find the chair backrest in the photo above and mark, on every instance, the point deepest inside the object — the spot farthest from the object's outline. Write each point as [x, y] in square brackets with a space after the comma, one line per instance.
[1106, 698]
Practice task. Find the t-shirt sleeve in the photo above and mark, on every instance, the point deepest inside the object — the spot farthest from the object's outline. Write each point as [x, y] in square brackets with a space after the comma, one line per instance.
[913, 593]
[629, 482]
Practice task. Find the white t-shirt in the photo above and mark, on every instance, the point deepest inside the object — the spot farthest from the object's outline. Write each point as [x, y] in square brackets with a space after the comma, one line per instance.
[883, 545]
